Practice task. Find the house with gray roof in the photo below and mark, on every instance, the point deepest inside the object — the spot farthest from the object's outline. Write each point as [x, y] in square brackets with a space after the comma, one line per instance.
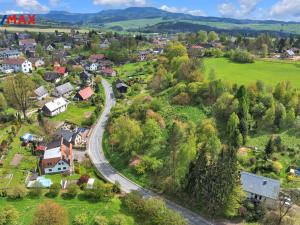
[41, 93]
[9, 54]
[63, 90]
[261, 189]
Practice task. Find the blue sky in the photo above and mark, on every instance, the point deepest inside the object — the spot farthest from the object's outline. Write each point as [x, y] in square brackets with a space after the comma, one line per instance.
[253, 9]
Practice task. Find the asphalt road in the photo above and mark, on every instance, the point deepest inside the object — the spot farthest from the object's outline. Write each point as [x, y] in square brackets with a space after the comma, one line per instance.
[96, 154]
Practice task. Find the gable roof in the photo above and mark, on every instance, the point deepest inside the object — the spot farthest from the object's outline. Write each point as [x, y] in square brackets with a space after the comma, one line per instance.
[108, 71]
[60, 70]
[64, 88]
[259, 185]
[29, 41]
[86, 93]
[13, 61]
[51, 76]
[56, 104]
[96, 57]
[41, 91]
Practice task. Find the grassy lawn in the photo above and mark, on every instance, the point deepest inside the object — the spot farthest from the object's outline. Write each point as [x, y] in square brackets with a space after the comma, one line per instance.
[74, 207]
[138, 69]
[77, 114]
[271, 72]
[28, 161]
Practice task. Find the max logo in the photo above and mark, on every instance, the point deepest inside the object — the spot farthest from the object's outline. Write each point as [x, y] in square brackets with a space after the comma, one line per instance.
[17, 20]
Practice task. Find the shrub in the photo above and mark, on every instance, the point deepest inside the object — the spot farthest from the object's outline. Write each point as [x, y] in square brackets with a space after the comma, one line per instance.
[83, 179]
[277, 167]
[182, 99]
[118, 220]
[17, 192]
[50, 212]
[100, 220]
[81, 219]
[9, 216]
[36, 191]
[116, 188]
[54, 190]
[72, 190]
[241, 56]
[99, 192]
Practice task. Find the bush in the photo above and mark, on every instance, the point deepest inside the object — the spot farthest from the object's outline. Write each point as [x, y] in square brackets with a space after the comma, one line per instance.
[99, 192]
[182, 99]
[17, 192]
[100, 220]
[118, 220]
[277, 167]
[81, 219]
[83, 180]
[72, 190]
[116, 188]
[36, 191]
[9, 216]
[242, 56]
[54, 190]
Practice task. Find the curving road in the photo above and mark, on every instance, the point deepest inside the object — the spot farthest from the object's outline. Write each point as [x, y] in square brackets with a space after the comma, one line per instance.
[96, 154]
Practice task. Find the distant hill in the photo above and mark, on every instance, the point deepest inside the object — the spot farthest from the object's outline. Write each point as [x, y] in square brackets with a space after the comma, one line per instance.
[115, 17]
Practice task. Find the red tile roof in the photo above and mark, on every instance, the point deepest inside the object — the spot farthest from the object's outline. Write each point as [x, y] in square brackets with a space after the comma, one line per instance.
[97, 57]
[60, 70]
[13, 61]
[40, 148]
[86, 93]
[197, 47]
[27, 41]
[108, 71]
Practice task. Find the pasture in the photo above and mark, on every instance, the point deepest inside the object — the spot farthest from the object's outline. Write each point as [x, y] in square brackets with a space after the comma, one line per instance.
[270, 72]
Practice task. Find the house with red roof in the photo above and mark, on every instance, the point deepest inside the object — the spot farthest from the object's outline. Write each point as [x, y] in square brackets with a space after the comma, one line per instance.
[109, 72]
[62, 71]
[27, 43]
[85, 93]
[96, 57]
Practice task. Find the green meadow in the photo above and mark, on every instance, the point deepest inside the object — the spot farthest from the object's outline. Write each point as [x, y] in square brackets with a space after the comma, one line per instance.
[270, 72]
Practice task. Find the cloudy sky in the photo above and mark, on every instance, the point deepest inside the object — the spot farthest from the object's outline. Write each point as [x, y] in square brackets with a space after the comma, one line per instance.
[253, 9]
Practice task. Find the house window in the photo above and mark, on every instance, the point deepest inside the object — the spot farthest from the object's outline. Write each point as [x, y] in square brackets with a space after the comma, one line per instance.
[260, 198]
[59, 169]
[65, 168]
[50, 170]
[49, 163]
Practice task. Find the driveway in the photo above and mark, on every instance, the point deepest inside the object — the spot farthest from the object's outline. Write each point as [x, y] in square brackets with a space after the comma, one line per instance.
[96, 154]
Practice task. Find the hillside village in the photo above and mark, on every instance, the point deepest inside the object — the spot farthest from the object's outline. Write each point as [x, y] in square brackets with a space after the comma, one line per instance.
[51, 97]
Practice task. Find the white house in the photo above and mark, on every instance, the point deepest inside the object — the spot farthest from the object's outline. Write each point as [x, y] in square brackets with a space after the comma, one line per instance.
[91, 67]
[18, 65]
[55, 107]
[57, 160]
[37, 62]
[260, 189]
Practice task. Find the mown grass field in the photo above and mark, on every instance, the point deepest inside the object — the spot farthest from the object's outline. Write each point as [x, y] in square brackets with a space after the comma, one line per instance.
[27, 206]
[270, 72]
[75, 113]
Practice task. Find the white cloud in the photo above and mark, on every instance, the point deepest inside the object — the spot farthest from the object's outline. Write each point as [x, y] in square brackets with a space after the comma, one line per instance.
[12, 12]
[120, 2]
[286, 9]
[32, 5]
[54, 2]
[244, 9]
[195, 12]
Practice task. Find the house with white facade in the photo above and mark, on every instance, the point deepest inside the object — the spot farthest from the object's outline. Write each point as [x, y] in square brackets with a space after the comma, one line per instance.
[261, 189]
[55, 107]
[18, 65]
[57, 160]
[37, 62]
[91, 66]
